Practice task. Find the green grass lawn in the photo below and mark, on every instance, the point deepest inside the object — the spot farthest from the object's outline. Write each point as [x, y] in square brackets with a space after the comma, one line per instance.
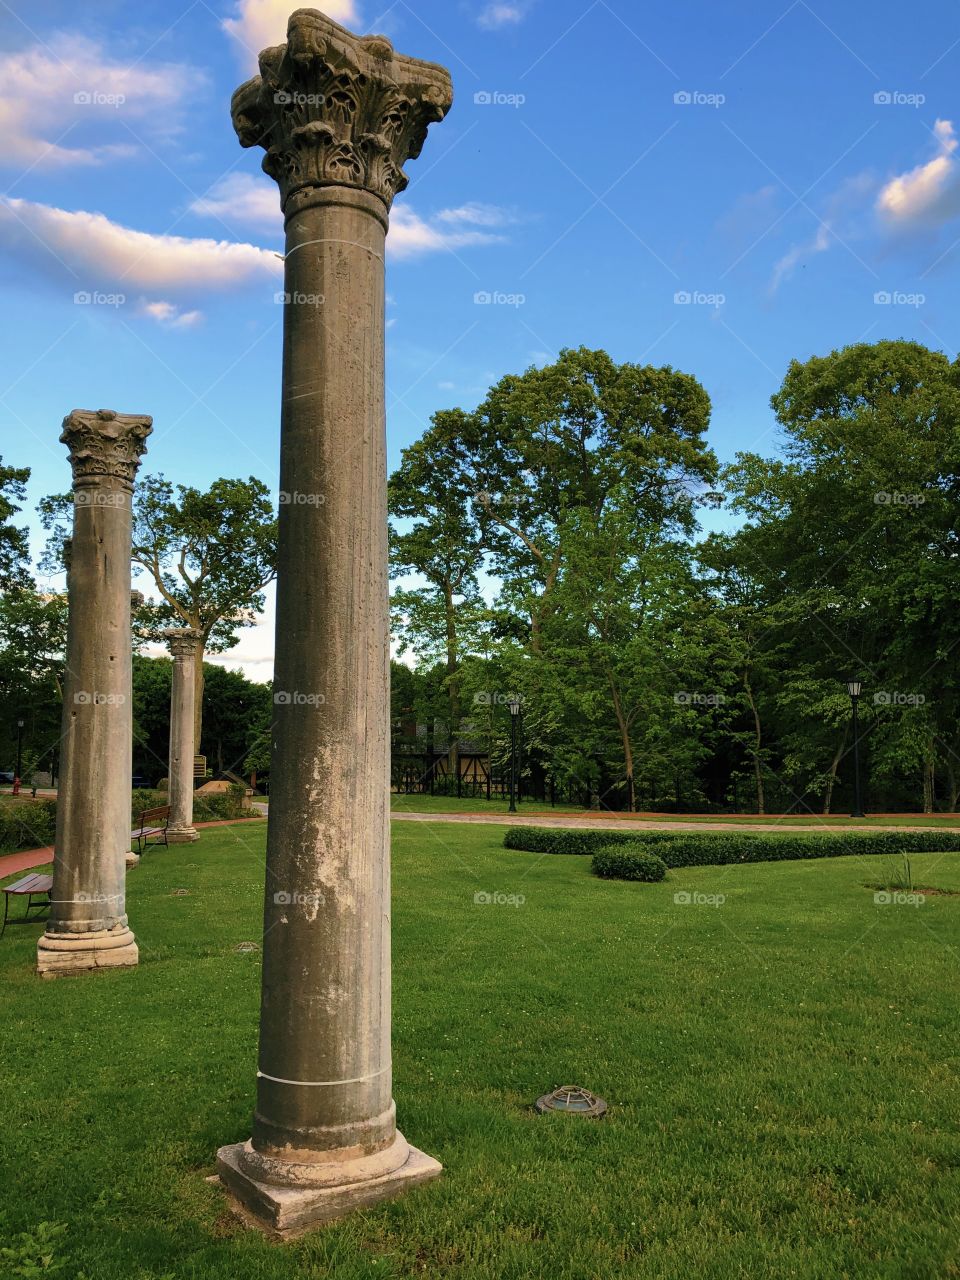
[781, 1071]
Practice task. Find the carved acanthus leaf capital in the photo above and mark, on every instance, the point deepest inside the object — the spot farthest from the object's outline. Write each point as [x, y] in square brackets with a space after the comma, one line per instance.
[334, 109]
[182, 641]
[103, 443]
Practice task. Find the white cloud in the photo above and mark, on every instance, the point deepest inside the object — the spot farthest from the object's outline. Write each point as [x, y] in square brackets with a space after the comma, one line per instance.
[411, 235]
[477, 214]
[494, 16]
[244, 199]
[53, 95]
[91, 251]
[254, 202]
[170, 316]
[785, 267]
[927, 192]
[260, 24]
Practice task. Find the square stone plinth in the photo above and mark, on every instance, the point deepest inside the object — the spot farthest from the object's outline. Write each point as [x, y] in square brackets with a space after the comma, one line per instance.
[181, 835]
[285, 1213]
[83, 954]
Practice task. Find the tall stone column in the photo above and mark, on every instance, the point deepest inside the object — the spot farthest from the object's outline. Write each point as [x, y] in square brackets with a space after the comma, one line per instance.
[136, 602]
[183, 644]
[338, 115]
[87, 927]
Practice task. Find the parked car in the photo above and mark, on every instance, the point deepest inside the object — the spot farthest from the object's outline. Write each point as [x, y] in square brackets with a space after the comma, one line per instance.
[7, 777]
[140, 783]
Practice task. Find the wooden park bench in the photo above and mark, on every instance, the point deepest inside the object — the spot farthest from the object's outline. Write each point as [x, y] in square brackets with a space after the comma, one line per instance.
[30, 887]
[153, 827]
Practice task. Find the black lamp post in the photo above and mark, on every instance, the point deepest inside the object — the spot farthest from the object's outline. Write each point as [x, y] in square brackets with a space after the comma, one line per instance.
[853, 688]
[513, 702]
[16, 774]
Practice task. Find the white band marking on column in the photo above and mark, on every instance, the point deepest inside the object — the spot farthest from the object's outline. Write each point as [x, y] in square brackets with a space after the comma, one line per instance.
[319, 1083]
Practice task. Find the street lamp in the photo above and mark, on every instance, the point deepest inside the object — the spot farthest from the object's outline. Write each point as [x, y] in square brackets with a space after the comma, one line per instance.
[853, 688]
[16, 774]
[513, 702]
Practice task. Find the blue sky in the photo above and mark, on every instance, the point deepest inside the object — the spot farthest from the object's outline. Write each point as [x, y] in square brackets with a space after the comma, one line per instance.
[790, 169]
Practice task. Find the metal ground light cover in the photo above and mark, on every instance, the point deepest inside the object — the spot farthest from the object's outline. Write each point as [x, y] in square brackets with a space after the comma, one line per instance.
[572, 1099]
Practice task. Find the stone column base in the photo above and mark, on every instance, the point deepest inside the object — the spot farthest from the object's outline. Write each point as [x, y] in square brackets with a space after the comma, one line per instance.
[181, 835]
[59, 954]
[286, 1212]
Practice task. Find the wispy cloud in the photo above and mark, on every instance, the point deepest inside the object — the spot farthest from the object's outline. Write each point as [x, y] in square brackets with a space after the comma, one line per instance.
[244, 200]
[411, 235]
[494, 16]
[169, 315]
[260, 24]
[54, 96]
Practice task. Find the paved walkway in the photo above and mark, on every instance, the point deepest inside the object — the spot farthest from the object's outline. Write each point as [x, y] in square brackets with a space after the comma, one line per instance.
[26, 859]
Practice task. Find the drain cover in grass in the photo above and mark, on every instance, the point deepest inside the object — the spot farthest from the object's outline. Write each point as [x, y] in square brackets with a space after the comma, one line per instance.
[571, 1098]
[180, 893]
[246, 946]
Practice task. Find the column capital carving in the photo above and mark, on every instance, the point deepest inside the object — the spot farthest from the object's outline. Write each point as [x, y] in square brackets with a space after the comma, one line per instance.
[334, 109]
[104, 444]
[182, 641]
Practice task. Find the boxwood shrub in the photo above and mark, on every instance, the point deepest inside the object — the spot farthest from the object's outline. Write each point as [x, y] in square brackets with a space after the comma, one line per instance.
[625, 862]
[574, 840]
[28, 825]
[718, 848]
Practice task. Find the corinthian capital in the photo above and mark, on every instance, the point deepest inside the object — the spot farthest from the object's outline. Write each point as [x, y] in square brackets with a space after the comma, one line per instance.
[334, 109]
[182, 641]
[103, 443]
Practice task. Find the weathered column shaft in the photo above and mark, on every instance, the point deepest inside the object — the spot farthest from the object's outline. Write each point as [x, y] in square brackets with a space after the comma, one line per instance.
[183, 644]
[87, 927]
[326, 982]
[338, 115]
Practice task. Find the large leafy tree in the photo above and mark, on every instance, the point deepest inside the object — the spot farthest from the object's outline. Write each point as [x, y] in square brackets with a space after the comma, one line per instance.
[578, 436]
[852, 538]
[435, 535]
[208, 554]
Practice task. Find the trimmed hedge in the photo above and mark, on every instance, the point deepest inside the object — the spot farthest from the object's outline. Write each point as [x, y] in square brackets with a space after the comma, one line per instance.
[575, 840]
[29, 825]
[692, 849]
[621, 862]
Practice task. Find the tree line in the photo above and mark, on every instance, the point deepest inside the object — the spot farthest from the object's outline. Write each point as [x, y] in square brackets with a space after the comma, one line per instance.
[551, 543]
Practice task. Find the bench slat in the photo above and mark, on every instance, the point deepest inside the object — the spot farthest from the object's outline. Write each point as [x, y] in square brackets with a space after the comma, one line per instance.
[31, 884]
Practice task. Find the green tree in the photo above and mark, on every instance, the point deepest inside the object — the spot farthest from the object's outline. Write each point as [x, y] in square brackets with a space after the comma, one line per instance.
[208, 554]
